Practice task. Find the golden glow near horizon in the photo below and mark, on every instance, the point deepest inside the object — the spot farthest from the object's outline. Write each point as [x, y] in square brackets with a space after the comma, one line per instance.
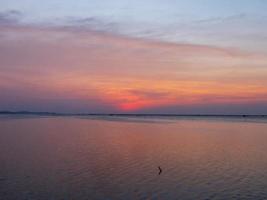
[126, 73]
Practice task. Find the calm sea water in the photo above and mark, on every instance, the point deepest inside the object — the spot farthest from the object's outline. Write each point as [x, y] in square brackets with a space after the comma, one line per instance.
[46, 158]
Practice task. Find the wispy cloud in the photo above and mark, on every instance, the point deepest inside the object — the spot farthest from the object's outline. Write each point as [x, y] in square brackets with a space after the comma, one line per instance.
[86, 67]
[241, 30]
[91, 23]
[10, 17]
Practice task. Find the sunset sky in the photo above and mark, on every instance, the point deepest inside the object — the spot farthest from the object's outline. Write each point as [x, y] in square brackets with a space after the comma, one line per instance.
[126, 56]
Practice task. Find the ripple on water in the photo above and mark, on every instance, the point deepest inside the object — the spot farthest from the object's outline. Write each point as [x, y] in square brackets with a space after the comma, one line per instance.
[94, 159]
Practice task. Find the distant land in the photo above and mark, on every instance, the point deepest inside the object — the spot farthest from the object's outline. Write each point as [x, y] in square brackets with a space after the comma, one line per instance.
[125, 114]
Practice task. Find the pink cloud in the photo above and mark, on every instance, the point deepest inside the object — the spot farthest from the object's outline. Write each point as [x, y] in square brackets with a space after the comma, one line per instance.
[53, 63]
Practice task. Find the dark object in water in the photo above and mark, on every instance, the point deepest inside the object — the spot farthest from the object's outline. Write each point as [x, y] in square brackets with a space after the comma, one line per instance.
[160, 170]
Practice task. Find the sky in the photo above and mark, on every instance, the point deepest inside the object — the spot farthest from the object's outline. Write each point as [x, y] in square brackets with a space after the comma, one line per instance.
[126, 56]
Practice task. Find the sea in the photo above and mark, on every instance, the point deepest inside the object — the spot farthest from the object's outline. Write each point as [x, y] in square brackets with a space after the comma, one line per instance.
[132, 157]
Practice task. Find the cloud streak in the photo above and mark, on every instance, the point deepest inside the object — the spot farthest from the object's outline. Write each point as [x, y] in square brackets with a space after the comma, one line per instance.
[100, 71]
[10, 17]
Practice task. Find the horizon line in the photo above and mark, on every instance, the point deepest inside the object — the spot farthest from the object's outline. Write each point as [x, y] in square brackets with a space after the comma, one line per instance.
[125, 114]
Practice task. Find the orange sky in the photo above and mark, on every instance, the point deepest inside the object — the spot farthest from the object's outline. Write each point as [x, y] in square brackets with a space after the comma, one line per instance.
[126, 74]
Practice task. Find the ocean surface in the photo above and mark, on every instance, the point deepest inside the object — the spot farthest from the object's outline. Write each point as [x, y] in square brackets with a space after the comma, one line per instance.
[106, 158]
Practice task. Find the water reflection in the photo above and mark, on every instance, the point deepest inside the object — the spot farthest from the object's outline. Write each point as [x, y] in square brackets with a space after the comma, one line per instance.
[74, 158]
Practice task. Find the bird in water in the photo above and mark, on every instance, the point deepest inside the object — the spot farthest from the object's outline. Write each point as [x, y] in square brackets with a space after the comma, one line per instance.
[160, 170]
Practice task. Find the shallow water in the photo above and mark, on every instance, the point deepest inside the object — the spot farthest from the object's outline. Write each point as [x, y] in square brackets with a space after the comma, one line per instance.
[93, 158]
